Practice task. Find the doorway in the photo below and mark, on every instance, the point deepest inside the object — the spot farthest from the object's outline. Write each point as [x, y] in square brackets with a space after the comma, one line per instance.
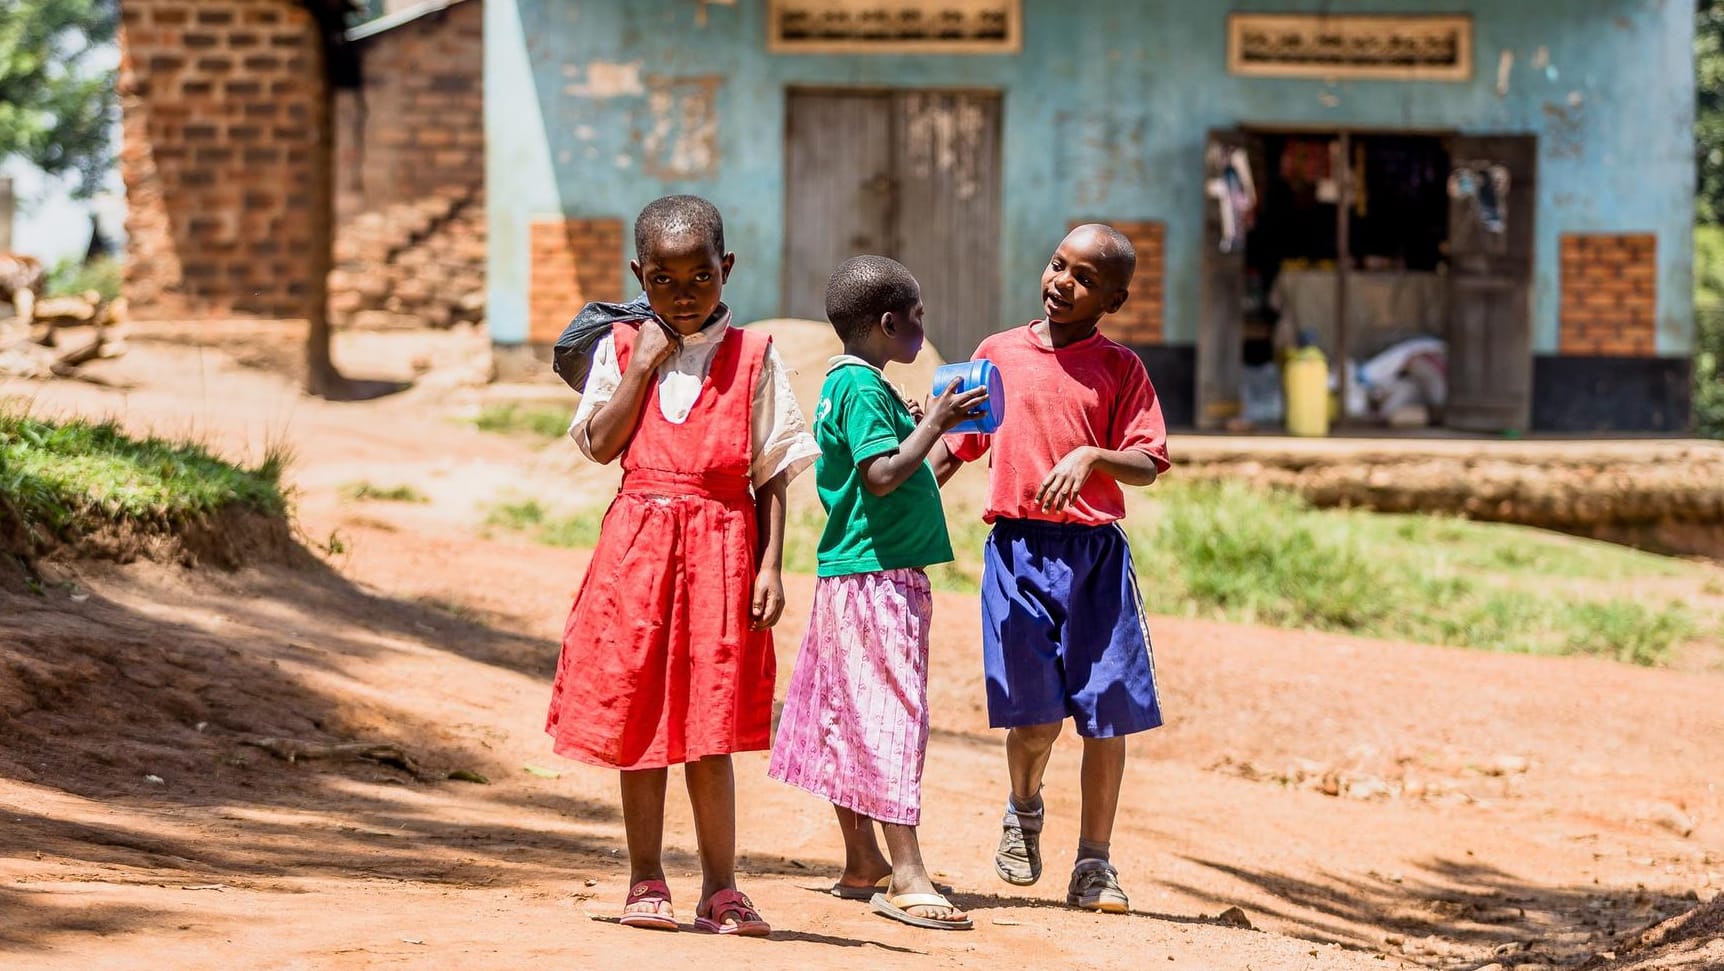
[1406, 257]
[912, 175]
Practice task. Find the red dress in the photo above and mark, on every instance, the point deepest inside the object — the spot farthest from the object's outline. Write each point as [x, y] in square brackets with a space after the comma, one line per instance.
[660, 665]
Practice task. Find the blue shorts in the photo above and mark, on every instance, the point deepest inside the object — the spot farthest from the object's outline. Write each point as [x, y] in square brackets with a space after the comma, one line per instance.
[1063, 634]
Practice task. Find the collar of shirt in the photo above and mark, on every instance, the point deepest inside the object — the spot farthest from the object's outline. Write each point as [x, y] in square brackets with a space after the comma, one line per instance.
[843, 360]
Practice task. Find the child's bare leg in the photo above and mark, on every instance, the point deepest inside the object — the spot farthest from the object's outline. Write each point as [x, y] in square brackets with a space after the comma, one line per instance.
[1103, 772]
[643, 823]
[1095, 883]
[864, 864]
[909, 875]
[1027, 751]
[712, 794]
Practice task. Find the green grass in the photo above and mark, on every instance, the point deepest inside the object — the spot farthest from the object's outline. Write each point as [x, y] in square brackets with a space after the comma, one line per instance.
[577, 531]
[63, 476]
[1230, 551]
[1233, 552]
[72, 278]
[516, 419]
[368, 491]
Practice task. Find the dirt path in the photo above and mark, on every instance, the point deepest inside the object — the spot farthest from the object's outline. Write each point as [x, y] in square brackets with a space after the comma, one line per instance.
[1367, 805]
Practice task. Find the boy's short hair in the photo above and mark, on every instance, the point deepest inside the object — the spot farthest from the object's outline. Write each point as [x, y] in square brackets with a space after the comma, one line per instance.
[671, 216]
[865, 287]
[1116, 256]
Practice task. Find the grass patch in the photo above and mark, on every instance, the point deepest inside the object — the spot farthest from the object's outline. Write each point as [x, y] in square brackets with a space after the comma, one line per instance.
[62, 476]
[371, 492]
[516, 419]
[577, 531]
[1234, 552]
[72, 277]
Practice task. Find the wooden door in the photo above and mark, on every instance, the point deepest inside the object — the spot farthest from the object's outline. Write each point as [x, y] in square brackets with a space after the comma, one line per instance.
[913, 175]
[948, 227]
[839, 190]
[1221, 322]
[1490, 283]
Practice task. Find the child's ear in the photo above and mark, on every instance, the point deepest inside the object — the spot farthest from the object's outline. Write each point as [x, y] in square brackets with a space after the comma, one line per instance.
[728, 264]
[635, 268]
[1117, 300]
[889, 323]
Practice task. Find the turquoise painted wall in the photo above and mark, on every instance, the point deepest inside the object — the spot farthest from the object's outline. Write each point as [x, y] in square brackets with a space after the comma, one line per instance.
[1106, 110]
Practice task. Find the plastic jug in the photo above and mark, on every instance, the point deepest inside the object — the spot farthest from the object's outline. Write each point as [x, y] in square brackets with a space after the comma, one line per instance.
[976, 374]
[1305, 381]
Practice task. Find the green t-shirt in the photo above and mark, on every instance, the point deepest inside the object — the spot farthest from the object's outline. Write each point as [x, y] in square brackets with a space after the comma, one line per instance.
[859, 417]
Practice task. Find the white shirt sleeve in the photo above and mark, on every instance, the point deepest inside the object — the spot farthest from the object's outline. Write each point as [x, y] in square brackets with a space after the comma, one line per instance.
[780, 437]
[602, 382]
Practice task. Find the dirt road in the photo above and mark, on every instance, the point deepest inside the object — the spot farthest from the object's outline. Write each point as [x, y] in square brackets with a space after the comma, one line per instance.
[1364, 804]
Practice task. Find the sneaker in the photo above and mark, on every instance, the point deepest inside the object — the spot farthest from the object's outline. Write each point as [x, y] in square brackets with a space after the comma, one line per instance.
[1018, 860]
[1095, 886]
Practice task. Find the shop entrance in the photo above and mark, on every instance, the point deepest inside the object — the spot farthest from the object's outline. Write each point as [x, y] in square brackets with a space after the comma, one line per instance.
[1406, 257]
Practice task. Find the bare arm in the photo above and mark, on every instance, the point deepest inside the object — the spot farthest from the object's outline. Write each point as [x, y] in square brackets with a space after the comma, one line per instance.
[1132, 467]
[945, 464]
[613, 425]
[769, 503]
[883, 473]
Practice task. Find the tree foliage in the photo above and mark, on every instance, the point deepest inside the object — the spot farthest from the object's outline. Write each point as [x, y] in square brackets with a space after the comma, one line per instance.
[1709, 109]
[57, 108]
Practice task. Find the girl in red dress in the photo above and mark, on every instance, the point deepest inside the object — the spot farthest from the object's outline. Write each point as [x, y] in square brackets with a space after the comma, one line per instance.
[667, 656]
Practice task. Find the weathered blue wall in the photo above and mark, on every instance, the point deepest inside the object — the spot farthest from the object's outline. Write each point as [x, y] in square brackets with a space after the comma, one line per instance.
[1106, 111]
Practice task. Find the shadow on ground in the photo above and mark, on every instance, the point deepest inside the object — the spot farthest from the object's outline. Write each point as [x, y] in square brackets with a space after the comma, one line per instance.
[1446, 911]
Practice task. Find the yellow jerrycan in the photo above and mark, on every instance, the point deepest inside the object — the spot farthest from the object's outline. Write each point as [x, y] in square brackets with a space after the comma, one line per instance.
[1305, 383]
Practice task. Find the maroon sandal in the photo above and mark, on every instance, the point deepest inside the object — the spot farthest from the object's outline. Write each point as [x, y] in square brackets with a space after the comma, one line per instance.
[729, 912]
[653, 892]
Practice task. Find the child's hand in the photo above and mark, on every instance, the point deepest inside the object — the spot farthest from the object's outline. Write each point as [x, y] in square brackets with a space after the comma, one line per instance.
[951, 409]
[915, 407]
[768, 599]
[652, 346]
[1060, 488]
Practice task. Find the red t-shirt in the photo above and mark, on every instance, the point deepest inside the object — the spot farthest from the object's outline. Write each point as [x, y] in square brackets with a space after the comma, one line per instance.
[1093, 392]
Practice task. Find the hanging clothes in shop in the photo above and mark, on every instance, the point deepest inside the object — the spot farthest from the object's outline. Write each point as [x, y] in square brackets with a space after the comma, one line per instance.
[1235, 193]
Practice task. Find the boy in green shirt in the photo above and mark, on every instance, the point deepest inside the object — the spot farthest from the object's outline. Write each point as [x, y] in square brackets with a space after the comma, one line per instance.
[854, 728]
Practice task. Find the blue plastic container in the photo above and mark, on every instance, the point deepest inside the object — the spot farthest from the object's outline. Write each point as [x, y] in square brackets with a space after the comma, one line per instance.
[976, 374]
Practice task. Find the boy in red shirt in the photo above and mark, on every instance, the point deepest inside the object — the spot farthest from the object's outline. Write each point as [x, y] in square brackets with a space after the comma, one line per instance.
[1063, 634]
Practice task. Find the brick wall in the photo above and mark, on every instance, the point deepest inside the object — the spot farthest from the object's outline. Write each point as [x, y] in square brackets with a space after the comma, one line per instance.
[417, 125]
[574, 261]
[222, 108]
[1609, 295]
[1139, 321]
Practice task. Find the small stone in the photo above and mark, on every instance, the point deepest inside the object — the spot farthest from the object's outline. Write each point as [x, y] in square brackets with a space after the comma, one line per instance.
[592, 883]
[1234, 917]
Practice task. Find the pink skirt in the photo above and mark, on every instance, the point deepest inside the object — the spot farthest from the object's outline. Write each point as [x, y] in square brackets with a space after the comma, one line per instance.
[854, 729]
